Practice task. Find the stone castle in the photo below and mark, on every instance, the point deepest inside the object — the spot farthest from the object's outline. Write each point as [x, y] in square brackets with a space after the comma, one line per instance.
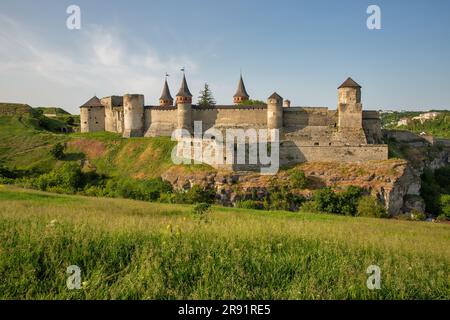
[348, 134]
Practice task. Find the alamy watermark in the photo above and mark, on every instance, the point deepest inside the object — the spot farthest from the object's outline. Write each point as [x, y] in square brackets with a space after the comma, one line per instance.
[374, 20]
[74, 279]
[374, 280]
[73, 22]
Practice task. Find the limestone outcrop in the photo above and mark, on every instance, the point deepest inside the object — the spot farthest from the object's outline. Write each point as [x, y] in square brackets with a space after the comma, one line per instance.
[393, 182]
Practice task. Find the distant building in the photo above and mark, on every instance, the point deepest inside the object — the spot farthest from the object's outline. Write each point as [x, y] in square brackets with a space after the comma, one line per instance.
[404, 122]
[426, 116]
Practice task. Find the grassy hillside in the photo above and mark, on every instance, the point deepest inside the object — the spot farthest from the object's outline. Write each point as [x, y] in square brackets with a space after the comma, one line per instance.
[438, 127]
[53, 110]
[25, 145]
[138, 250]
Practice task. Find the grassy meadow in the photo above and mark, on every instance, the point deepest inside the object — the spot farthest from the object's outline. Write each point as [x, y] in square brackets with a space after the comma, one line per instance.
[138, 250]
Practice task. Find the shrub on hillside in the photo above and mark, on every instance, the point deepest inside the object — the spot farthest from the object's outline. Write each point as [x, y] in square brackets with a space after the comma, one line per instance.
[442, 177]
[370, 207]
[198, 194]
[249, 204]
[57, 151]
[326, 200]
[445, 205]
[298, 179]
[434, 184]
[201, 210]
[67, 178]
[309, 207]
[145, 190]
[415, 215]
[346, 202]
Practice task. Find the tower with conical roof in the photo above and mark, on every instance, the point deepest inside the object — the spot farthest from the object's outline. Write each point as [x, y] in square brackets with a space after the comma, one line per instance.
[166, 99]
[184, 106]
[241, 93]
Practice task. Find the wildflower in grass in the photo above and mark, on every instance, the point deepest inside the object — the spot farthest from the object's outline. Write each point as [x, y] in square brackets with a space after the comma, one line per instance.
[52, 223]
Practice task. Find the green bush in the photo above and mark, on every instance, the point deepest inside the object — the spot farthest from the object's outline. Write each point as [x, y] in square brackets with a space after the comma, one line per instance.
[326, 200]
[348, 200]
[442, 218]
[201, 211]
[67, 178]
[370, 207]
[145, 190]
[445, 205]
[57, 151]
[298, 179]
[417, 215]
[442, 176]
[310, 206]
[249, 204]
[198, 194]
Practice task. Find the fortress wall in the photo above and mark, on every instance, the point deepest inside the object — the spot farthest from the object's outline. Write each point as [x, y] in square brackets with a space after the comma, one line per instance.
[112, 117]
[160, 122]
[290, 153]
[302, 117]
[372, 129]
[231, 117]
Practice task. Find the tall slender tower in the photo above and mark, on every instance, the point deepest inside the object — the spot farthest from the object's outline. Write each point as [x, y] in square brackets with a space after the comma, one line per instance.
[349, 105]
[166, 99]
[350, 126]
[184, 106]
[241, 93]
[275, 112]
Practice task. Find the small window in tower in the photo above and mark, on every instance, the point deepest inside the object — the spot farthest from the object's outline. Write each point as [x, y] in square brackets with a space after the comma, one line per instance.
[316, 143]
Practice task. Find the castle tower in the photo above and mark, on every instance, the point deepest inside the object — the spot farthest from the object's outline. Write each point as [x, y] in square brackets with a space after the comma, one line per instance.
[92, 116]
[133, 115]
[349, 105]
[241, 93]
[184, 106]
[166, 99]
[275, 112]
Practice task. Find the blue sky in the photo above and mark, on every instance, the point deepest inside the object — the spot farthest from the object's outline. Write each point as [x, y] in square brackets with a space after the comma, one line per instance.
[301, 49]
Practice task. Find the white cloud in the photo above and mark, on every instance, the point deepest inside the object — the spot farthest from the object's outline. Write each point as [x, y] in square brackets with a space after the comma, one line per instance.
[103, 61]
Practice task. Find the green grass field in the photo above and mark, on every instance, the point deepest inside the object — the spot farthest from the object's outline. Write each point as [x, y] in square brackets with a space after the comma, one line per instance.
[137, 250]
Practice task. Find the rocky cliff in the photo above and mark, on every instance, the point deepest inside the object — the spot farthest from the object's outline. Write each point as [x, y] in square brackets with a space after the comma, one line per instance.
[393, 182]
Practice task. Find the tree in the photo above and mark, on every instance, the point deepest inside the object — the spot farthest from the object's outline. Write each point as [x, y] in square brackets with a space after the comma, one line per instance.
[251, 102]
[57, 151]
[206, 98]
[70, 121]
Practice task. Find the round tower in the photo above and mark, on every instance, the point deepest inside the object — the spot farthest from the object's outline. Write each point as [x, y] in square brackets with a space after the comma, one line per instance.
[184, 106]
[241, 94]
[349, 105]
[133, 115]
[275, 112]
[166, 99]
